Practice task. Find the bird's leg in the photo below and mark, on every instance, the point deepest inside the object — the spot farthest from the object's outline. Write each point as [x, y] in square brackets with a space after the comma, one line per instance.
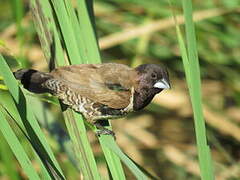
[102, 130]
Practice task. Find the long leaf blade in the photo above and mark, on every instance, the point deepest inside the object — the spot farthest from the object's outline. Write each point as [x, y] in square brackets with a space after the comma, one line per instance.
[16, 147]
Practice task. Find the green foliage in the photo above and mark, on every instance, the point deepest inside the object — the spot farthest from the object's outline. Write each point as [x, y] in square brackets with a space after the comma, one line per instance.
[42, 146]
[81, 47]
[192, 71]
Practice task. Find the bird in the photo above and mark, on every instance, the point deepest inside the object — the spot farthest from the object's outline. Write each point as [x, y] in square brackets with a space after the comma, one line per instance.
[99, 91]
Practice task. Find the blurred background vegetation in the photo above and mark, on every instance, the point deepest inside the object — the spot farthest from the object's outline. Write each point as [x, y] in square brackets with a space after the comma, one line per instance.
[160, 138]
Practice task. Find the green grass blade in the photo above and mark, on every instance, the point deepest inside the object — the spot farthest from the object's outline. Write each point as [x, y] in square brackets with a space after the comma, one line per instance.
[77, 31]
[8, 103]
[92, 54]
[88, 167]
[9, 79]
[203, 148]
[47, 32]
[16, 147]
[37, 138]
[10, 107]
[192, 70]
[17, 10]
[48, 121]
[67, 31]
[59, 51]
[110, 143]
[7, 156]
[87, 31]
[84, 154]
[113, 161]
[43, 25]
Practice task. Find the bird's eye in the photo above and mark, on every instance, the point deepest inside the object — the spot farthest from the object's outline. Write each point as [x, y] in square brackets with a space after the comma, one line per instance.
[154, 76]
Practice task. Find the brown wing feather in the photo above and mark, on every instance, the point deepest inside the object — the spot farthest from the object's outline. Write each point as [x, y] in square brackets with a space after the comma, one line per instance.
[91, 81]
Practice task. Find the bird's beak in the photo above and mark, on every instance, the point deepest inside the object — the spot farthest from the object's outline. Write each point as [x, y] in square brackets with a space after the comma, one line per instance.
[162, 84]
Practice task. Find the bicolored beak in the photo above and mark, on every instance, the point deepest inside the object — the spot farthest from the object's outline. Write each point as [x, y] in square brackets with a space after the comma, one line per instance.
[162, 84]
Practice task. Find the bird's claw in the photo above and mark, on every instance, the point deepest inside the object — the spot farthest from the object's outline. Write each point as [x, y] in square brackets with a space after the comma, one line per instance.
[105, 132]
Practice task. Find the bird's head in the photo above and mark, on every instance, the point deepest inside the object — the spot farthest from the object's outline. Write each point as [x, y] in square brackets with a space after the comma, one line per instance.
[152, 76]
[152, 79]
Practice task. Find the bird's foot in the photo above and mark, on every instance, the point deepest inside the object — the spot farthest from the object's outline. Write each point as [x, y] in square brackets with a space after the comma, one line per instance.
[103, 131]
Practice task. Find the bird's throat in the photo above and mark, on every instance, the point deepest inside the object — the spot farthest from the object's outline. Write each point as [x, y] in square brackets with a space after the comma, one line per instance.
[142, 99]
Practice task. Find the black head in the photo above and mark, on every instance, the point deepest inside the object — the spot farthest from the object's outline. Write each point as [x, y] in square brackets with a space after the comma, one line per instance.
[152, 79]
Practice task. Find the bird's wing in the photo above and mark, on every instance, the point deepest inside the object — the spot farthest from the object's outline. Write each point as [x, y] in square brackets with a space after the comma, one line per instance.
[100, 83]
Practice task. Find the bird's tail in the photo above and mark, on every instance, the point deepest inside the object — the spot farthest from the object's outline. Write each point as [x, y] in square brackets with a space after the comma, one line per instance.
[33, 80]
